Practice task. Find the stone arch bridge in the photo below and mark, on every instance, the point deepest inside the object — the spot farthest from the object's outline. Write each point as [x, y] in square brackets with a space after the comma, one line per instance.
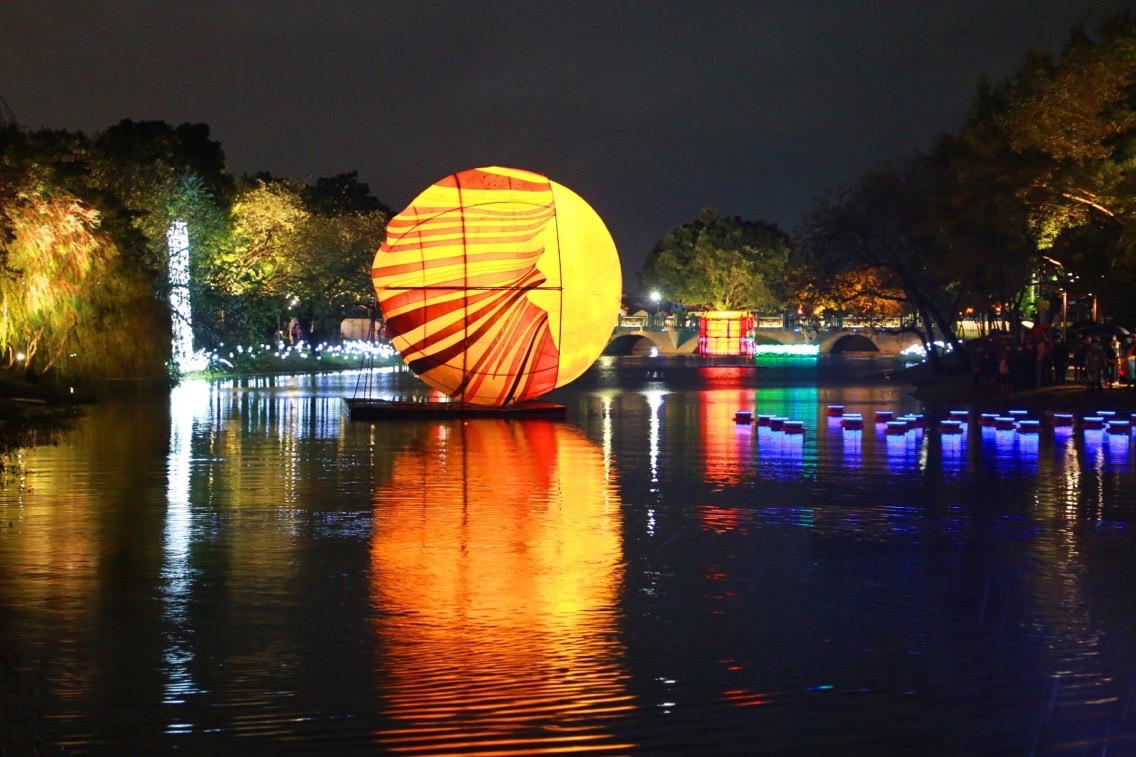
[638, 339]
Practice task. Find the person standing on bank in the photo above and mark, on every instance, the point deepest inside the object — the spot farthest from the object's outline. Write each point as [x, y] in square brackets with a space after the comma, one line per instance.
[1094, 366]
[1128, 364]
[1060, 359]
[1113, 354]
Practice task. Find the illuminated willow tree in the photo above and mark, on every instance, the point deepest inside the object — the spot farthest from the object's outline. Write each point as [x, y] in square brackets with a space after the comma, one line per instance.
[77, 284]
[53, 248]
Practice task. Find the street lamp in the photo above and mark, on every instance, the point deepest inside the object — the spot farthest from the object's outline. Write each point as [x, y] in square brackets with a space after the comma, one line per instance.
[655, 298]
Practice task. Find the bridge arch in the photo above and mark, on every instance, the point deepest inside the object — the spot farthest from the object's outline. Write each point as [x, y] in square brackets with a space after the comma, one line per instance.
[848, 343]
[882, 342]
[639, 343]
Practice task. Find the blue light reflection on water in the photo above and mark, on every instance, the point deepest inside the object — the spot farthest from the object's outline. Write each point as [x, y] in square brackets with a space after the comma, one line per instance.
[851, 452]
[649, 573]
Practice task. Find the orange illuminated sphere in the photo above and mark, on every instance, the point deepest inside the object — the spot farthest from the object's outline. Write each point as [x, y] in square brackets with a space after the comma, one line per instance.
[498, 285]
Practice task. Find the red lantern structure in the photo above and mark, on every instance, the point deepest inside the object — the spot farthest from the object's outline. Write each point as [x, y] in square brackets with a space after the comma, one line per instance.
[726, 332]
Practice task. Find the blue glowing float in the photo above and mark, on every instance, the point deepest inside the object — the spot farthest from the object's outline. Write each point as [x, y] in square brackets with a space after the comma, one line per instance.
[950, 426]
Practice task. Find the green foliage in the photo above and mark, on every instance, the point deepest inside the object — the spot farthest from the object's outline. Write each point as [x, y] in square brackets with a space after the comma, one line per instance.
[300, 252]
[68, 298]
[883, 228]
[84, 276]
[1044, 163]
[1058, 136]
[332, 264]
[89, 259]
[341, 194]
[266, 218]
[720, 264]
[281, 242]
[51, 251]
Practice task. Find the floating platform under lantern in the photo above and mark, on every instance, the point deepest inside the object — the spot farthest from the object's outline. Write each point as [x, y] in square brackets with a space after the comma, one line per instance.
[1119, 426]
[896, 428]
[378, 410]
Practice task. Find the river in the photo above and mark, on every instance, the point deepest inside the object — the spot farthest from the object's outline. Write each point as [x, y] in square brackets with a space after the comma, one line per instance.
[244, 569]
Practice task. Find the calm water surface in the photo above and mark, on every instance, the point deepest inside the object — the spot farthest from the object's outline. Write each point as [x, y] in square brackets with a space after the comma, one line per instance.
[244, 569]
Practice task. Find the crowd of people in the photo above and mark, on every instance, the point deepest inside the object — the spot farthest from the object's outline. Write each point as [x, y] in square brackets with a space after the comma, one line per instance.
[1046, 358]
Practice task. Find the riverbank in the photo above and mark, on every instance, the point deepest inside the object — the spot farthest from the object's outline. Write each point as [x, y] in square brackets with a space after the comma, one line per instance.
[958, 392]
[20, 398]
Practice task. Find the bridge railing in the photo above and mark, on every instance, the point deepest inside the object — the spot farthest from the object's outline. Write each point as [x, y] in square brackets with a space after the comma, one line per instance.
[781, 321]
[657, 321]
[830, 324]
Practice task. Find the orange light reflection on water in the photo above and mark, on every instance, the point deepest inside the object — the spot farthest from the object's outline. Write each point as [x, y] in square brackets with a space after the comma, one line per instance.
[496, 568]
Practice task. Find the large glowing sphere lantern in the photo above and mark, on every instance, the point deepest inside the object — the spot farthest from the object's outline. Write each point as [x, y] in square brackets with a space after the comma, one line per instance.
[498, 285]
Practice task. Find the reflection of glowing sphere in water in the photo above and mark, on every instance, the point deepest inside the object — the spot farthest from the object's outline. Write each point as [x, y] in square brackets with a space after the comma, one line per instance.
[498, 285]
[496, 571]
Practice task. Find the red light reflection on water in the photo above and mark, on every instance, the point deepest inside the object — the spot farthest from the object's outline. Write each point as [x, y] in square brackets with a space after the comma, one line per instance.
[727, 445]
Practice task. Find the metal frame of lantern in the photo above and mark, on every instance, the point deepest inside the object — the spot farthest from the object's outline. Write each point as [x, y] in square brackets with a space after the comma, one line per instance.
[726, 333]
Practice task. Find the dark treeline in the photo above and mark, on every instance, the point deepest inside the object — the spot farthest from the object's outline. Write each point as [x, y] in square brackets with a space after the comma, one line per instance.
[1025, 211]
[84, 248]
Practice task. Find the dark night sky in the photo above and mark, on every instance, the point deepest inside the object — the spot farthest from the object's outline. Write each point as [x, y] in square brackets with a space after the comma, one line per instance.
[649, 110]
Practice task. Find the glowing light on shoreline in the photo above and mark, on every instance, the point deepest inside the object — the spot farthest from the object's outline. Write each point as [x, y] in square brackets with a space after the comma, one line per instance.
[177, 237]
[916, 350]
[219, 358]
[786, 350]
